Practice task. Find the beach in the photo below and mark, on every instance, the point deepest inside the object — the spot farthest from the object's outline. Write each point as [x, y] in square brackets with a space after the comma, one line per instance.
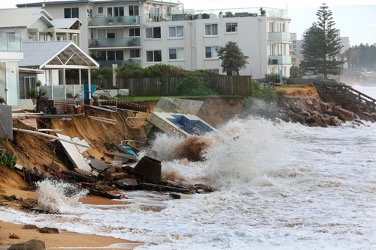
[62, 240]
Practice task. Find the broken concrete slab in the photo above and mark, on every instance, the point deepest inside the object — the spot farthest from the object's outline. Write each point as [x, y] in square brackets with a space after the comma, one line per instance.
[74, 154]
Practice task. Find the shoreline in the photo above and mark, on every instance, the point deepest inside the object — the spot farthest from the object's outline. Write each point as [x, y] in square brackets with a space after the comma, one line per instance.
[64, 239]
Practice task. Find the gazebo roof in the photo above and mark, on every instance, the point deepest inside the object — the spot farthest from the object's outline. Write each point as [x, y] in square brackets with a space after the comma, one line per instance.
[55, 55]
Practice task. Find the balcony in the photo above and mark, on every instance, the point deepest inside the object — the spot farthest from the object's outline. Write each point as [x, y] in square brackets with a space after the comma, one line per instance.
[279, 60]
[114, 21]
[10, 42]
[282, 37]
[114, 42]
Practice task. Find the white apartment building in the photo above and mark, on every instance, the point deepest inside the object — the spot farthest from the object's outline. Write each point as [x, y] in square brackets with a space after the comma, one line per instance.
[148, 32]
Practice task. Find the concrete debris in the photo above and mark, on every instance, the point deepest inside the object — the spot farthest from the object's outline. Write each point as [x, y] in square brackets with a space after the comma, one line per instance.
[74, 154]
[105, 179]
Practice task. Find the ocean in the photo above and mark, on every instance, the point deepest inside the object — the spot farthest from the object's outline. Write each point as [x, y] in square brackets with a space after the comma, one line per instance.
[278, 185]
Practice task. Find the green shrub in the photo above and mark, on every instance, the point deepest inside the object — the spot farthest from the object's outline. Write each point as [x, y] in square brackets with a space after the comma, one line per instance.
[263, 93]
[6, 159]
[131, 71]
[191, 85]
[163, 70]
[273, 78]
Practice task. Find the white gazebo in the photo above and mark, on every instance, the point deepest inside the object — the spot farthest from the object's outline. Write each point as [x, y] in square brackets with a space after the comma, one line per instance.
[54, 57]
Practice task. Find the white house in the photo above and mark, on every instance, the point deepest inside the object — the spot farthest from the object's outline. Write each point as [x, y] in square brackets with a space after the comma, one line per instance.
[10, 56]
[148, 32]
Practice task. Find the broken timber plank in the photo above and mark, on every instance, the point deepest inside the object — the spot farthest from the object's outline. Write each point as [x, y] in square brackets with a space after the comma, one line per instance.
[102, 119]
[122, 155]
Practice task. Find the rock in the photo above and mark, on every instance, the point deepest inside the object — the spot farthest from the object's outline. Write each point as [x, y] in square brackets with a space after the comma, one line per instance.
[13, 236]
[343, 114]
[29, 245]
[28, 226]
[334, 121]
[310, 120]
[48, 230]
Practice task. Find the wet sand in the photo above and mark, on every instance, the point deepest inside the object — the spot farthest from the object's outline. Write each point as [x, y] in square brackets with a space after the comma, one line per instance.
[63, 240]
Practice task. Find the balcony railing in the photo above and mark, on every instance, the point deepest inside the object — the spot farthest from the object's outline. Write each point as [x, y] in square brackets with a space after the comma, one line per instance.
[63, 92]
[279, 37]
[10, 42]
[114, 42]
[279, 60]
[120, 63]
[114, 21]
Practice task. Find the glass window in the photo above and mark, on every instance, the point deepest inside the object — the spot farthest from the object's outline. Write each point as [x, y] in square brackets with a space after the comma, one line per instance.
[133, 10]
[211, 29]
[118, 11]
[100, 10]
[176, 54]
[231, 27]
[154, 32]
[210, 52]
[111, 55]
[71, 13]
[176, 31]
[134, 53]
[134, 32]
[111, 34]
[119, 55]
[109, 11]
[154, 56]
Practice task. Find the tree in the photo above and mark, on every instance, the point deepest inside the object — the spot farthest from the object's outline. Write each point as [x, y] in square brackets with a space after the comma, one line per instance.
[321, 47]
[38, 96]
[232, 58]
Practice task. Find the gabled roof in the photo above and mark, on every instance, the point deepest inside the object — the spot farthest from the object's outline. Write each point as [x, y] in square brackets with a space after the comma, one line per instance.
[66, 23]
[55, 55]
[23, 17]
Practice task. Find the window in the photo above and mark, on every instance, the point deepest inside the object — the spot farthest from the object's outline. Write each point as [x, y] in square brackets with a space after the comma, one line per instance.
[134, 53]
[134, 32]
[211, 29]
[176, 54]
[210, 52]
[231, 27]
[115, 11]
[154, 32]
[29, 84]
[114, 55]
[133, 10]
[154, 56]
[71, 13]
[111, 34]
[176, 31]
[100, 10]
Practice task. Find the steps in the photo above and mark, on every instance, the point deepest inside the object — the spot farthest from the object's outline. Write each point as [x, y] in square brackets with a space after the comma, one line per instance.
[348, 93]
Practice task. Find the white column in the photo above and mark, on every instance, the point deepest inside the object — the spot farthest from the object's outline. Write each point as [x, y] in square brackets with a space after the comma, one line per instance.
[65, 85]
[89, 84]
[79, 75]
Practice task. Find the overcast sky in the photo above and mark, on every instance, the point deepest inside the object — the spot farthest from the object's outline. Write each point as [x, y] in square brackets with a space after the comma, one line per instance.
[355, 18]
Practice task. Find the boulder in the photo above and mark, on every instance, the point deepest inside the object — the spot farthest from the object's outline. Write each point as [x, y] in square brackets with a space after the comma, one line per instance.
[48, 230]
[343, 114]
[29, 245]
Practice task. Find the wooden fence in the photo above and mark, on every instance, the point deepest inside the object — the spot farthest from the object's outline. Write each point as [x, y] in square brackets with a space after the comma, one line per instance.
[225, 85]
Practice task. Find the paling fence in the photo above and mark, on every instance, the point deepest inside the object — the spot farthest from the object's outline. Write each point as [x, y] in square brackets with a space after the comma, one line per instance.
[225, 85]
